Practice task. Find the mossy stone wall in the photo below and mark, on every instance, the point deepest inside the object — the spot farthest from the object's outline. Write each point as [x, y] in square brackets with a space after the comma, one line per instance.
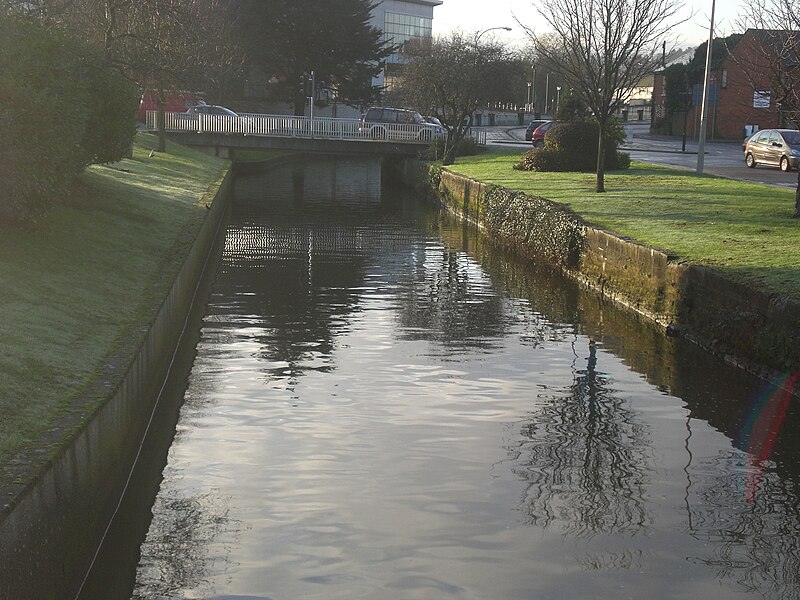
[740, 323]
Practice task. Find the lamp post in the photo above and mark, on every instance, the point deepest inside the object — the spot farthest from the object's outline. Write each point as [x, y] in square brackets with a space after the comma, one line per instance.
[533, 90]
[701, 145]
[558, 97]
[546, 92]
[478, 36]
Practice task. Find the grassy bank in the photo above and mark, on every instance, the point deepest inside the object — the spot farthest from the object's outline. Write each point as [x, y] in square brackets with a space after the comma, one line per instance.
[743, 229]
[76, 284]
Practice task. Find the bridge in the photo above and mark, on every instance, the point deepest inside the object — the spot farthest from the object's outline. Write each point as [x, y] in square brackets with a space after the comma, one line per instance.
[286, 132]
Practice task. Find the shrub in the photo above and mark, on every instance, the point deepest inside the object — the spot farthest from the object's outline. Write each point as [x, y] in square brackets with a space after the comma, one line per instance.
[58, 113]
[623, 162]
[573, 147]
[112, 106]
[42, 117]
[542, 159]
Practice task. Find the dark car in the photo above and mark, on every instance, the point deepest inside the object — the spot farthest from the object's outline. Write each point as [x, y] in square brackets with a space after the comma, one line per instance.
[537, 137]
[532, 127]
[775, 147]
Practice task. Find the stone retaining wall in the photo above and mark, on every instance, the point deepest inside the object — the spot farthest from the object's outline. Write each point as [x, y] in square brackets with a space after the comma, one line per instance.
[744, 325]
[51, 525]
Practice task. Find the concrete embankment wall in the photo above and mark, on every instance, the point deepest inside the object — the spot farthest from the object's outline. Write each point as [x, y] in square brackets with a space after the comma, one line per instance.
[744, 325]
[48, 533]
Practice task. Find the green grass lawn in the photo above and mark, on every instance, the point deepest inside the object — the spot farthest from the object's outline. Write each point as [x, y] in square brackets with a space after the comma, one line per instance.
[72, 285]
[744, 229]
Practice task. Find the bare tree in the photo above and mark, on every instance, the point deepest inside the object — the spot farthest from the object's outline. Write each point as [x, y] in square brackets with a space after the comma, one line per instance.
[770, 58]
[606, 48]
[450, 77]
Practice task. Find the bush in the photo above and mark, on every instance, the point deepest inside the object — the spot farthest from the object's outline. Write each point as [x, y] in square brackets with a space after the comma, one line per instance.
[58, 113]
[42, 117]
[573, 147]
[112, 105]
[542, 159]
[623, 162]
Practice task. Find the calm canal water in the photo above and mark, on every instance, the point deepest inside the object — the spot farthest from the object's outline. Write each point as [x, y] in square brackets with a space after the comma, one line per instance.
[383, 407]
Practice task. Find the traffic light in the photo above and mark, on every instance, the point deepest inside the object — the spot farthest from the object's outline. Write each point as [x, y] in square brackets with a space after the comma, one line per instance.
[307, 84]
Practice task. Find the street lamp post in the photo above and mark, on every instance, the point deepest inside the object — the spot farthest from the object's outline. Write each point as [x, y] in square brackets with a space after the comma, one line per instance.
[558, 97]
[478, 36]
[547, 93]
[533, 90]
[701, 145]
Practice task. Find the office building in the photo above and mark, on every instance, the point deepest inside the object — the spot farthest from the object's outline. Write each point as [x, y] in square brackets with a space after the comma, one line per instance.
[401, 22]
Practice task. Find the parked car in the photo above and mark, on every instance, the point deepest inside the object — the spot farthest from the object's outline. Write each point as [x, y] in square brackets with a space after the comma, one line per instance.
[210, 109]
[439, 130]
[747, 139]
[384, 123]
[776, 147]
[537, 137]
[532, 127]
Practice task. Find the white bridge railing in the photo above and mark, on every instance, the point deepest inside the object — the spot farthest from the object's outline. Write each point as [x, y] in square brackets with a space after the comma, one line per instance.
[291, 126]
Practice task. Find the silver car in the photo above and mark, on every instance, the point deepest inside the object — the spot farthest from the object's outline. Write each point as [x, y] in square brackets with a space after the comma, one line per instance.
[774, 147]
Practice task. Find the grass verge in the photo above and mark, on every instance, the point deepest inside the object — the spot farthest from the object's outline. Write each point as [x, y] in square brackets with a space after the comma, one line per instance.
[745, 230]
[73, 285]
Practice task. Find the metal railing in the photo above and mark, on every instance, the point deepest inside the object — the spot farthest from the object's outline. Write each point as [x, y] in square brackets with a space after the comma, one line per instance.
[291, 126]
[478, 134]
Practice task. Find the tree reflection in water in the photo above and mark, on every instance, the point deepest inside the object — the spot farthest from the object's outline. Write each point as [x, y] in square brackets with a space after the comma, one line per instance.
[752, 540]
[175, 554]
[584, 458]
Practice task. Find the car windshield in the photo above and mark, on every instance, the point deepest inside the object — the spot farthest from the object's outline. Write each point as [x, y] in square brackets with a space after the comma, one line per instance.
[792, 137]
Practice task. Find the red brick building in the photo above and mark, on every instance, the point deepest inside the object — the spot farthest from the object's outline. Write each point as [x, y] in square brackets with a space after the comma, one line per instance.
[742, 90]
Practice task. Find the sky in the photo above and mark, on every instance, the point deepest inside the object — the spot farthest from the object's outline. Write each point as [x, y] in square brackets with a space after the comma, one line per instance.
[478, 15]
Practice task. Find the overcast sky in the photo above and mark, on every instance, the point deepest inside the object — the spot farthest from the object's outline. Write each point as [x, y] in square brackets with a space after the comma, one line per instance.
[477, 15]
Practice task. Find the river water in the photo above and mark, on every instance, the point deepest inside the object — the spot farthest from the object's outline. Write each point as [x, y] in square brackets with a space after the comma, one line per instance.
[382, 406]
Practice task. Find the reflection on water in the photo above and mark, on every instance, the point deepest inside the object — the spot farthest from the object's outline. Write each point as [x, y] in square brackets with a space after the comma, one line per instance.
[584, 456]
[382, 406]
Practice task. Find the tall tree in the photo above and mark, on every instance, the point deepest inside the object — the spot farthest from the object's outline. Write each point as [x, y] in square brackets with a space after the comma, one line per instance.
[287, 39]
[450, 78]
[605, 47]
[678, 92]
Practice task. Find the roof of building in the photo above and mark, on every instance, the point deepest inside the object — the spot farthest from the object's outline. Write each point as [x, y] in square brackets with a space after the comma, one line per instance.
[783, 43]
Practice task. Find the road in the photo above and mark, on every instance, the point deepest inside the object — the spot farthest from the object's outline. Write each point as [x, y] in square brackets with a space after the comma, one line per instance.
[724, 159]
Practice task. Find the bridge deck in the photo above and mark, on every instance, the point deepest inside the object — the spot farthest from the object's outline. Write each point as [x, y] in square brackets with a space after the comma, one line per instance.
[296, 127]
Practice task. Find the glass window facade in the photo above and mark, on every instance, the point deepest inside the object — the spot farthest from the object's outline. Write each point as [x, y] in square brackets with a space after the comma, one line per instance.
[399, 29]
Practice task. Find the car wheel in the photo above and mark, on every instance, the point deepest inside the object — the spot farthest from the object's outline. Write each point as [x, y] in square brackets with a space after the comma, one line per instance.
[785, 166]
[749, 160]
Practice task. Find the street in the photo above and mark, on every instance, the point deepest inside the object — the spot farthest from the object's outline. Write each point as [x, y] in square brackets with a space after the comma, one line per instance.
[724, 159]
